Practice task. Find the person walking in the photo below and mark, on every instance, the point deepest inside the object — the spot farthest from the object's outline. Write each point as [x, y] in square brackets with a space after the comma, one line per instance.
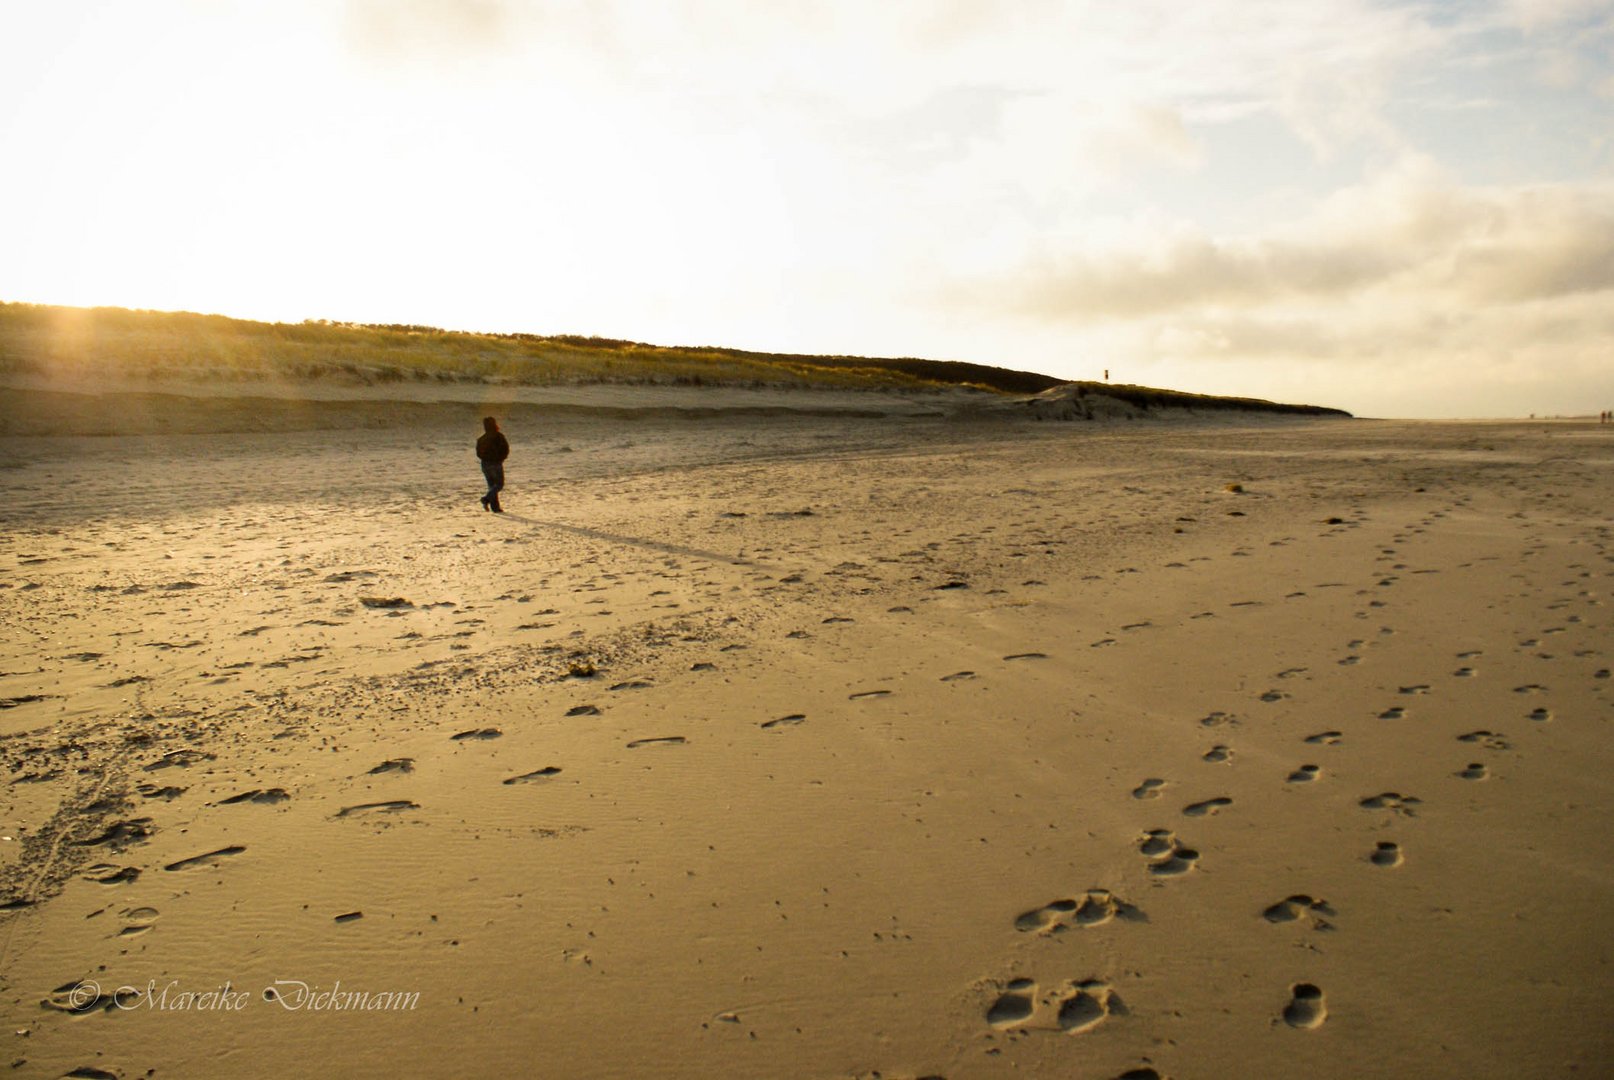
[492, 448]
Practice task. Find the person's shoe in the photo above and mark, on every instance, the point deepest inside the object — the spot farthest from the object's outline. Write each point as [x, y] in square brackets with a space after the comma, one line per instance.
[484, 501]
[496, 508]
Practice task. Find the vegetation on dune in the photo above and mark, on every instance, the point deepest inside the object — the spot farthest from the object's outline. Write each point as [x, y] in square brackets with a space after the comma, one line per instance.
[1147, 397]
[119, 344]
[158, 345]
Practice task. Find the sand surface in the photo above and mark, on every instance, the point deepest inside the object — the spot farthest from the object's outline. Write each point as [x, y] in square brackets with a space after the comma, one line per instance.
[911, 748]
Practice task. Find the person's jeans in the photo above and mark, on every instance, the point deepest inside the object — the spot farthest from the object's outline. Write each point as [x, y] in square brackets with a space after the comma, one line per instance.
[494, 471]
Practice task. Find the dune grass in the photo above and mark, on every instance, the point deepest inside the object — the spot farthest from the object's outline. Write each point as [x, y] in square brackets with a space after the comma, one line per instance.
[121, 346]
[180, 345]
[1148, 397]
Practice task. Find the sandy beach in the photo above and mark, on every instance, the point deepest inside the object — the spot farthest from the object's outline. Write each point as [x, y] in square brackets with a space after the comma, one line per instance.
[805, 743]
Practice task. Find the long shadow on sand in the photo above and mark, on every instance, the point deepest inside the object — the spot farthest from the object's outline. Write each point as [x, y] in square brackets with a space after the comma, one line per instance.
[617, 538]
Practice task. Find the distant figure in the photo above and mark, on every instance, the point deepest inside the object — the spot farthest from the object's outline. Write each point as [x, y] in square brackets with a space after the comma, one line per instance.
[492, 448]
[1106, 374]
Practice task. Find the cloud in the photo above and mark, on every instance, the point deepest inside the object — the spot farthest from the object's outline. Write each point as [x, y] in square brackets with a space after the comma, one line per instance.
[401, 27]
[1411, 230]
[1534, 15]
[1484, 300]
[1321, 67]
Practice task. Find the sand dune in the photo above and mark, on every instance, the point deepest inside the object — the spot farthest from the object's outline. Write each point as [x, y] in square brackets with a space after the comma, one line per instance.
[809, 746]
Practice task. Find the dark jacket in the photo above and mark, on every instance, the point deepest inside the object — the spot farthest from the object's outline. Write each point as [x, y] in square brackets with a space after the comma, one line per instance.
[492, 446]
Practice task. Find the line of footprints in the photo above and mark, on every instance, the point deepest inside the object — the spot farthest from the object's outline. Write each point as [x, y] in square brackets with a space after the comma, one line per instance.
[1079, 1006]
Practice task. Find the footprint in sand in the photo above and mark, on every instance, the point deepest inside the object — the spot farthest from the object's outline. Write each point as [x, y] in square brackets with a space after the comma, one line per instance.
[1474, 771]
[398, 765]
[1077, 1007]
[1208, 807]
[1218, 719]
[1149, 789]
[632, 684]
[1464, 673]
[210, 858]
[120, 834]
[1419, 688]
[1087, 1004]
[1026, 656]
[1305, 1009]
[388, 807]
[1217, 755]
[537, 774]
[1325, 738]
[1395, 712]
[82, 997]
[179, 759]
[865, 695]
[957, 676]
[783, 722]
[1386, 853]
[1541, 715]
[1273, 696]
[108, 874]
[1095, 907]
[1490, 740]
[478, 733]
[583, 710]
[1171, 857]
[1015, 1005]
[1305, 774]
[1300, 906]
[660, 740]
[138, 921]
[1392, 801]
[265, 795]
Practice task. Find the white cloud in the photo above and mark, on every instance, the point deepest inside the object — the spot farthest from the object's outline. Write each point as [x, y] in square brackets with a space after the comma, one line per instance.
[1536, 15]
[1392, 286]
[1410, 231]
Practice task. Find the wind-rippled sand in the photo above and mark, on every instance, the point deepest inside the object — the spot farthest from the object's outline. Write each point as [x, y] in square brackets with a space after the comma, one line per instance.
[811, 747]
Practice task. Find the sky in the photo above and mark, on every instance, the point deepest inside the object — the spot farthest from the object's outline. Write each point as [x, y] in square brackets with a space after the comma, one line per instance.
[1397, 208]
